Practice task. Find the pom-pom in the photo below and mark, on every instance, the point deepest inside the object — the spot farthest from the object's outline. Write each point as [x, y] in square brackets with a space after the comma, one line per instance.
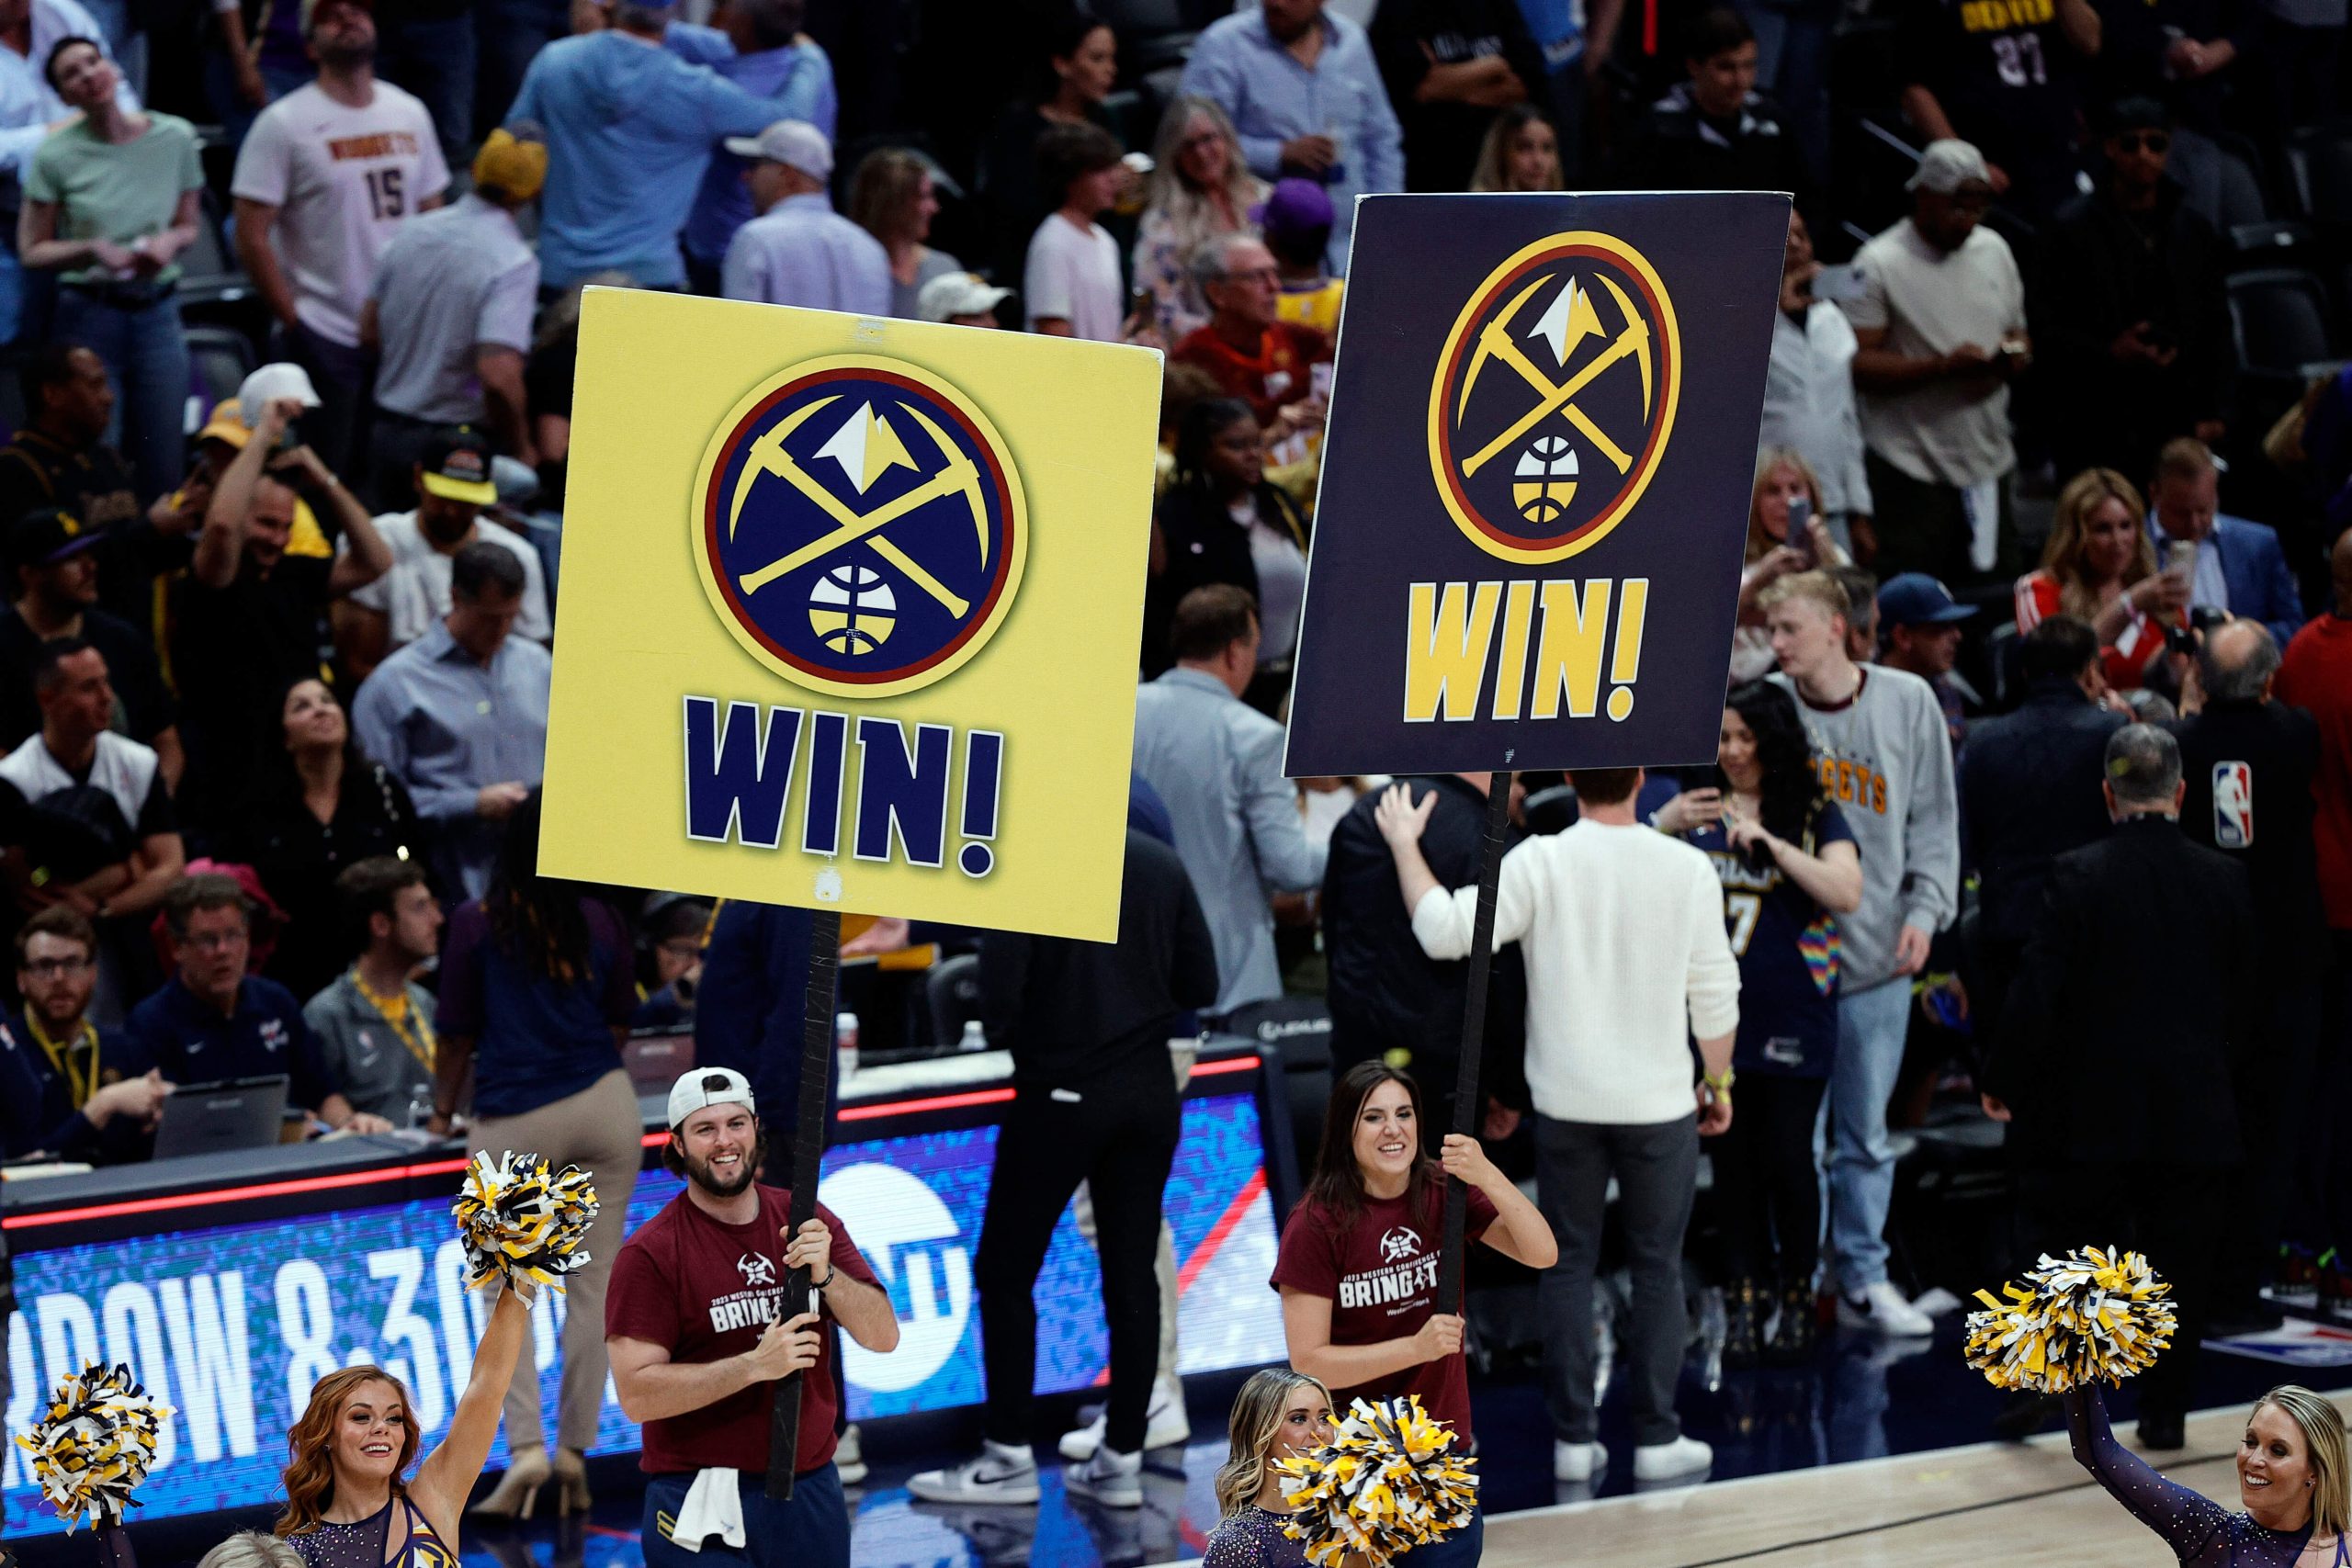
[1388, 1481]
[94, 1445]
[2090, 1315]
[522, 1223]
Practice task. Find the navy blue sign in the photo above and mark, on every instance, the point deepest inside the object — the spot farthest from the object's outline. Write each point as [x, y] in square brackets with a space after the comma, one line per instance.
[860, 529]
[1536, 482]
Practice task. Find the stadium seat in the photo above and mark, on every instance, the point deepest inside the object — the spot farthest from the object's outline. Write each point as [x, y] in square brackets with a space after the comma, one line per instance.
[208, 273]
[2280, 322]
[951, 996]
[219, 362]
[2319, 168]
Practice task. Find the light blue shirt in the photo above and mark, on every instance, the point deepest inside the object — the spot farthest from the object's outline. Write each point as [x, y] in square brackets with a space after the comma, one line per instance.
[27, 104]
[798, 79]
[1217, 764]
[1271, 99]
[800, 251]
[447, 726]
[629, 129]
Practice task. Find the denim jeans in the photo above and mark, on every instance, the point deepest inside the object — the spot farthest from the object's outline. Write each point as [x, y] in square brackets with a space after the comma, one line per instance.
[1657, 1169]
[435, 60]
[1871, 1027]
[146, 358]
[1793, 64]
[810, 1531]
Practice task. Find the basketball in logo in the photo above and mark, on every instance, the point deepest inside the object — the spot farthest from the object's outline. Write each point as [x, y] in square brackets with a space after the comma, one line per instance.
[861, 528]
[1546, 480]
[852, 610]
[1554, 397]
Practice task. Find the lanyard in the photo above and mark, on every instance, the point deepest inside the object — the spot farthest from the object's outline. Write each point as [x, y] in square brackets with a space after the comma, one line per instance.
[61, 1056]
[418, 1040]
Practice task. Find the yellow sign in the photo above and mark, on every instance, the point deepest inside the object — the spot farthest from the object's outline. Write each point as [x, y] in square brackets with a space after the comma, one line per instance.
[848, 613]
[1506, 470]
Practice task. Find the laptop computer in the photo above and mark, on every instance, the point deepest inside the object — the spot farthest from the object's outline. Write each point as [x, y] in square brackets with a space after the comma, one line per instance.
[215, 1117]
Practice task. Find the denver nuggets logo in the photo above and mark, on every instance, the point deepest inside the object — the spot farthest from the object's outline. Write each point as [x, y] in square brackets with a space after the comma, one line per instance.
[861, 528]
[1554, 398]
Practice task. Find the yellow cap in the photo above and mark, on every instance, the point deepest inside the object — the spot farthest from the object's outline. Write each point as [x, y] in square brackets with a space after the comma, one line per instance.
[227, 423]
[517, 168]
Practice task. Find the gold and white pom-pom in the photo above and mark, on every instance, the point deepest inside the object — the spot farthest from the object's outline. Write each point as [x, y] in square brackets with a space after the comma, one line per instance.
[2095, 1315]
[522, 1223]
[1388, 1481]
[94, 1445]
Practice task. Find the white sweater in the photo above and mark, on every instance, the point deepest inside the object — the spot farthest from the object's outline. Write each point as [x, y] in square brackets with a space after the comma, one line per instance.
[1624, 938]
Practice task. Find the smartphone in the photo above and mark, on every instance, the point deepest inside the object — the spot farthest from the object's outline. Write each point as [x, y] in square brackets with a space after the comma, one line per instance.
[1799, 522]
[2180, 558]
[1840, 283]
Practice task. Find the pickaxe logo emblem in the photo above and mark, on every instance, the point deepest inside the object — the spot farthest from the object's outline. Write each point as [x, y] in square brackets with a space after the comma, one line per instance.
[860, 529]
[1554, 397]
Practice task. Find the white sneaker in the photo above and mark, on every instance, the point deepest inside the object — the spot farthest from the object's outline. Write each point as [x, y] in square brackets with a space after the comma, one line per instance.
[1110, 1478]
[849, 1456]
[1666, 1461]
[1577, 1462]
[1002, 1474]
[1165, 1426]
[1882, 1310]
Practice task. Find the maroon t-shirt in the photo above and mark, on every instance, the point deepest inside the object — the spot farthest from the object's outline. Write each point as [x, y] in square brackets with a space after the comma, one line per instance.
[706, 1291]
[1379, 1273]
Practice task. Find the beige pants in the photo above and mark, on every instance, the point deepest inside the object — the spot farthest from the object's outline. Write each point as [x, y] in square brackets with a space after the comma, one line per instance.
[598, 1131]
[1181, 1055]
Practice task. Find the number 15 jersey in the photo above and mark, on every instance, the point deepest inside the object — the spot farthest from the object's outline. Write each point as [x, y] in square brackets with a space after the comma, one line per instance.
[342, 179]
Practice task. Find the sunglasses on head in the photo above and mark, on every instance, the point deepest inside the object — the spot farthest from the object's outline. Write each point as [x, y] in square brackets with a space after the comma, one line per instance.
[2152, 140]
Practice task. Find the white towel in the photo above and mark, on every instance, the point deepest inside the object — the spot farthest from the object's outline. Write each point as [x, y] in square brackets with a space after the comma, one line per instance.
[1981, 503]
[714, 1505]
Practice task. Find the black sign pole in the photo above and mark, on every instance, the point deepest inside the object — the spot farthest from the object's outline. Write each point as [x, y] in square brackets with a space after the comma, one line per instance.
[1466, 1119]
[808, 1148]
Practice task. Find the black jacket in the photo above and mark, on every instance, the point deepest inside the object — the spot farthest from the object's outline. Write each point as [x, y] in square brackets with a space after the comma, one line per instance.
[1072, 1011]
[1204, 545]
[2029, 792]
[1672, 146]
[2269, 831]
[2103, 272]
[1385, 993]
[1411, 37]
[2134, 1019]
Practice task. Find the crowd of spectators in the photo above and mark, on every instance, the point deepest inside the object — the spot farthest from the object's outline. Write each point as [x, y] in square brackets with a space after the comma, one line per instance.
[274, 683]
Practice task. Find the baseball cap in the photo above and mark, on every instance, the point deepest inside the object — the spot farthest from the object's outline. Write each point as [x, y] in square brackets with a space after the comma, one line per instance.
[514, 166]
[2137, 112]
[792, 141]
[49, 535]
[1294, 206]
[1914, 599]
[227, 423]
[1947, 165]
[959, 294]
[269, 383]
[455, 465]
[704, 1086]
[311, 9]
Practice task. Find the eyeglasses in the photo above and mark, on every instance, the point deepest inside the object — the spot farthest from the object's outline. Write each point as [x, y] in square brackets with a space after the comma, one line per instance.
[1194, 143]
[2151, 141]
[215, 942]
[50, 968]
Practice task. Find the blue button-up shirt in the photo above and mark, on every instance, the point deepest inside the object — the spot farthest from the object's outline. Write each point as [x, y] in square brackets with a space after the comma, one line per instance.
[448, 726]
[1271, 99]
[1217, 764]
[629, 129]
[28, 105]
[798, 79]
[800, 251]
[265, 1034]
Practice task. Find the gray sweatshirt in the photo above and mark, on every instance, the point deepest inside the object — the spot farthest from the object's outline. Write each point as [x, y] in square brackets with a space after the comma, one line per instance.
[1886, 760]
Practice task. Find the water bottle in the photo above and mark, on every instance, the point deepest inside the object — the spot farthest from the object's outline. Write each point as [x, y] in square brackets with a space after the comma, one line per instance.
[974, 1037]
[845, 1043]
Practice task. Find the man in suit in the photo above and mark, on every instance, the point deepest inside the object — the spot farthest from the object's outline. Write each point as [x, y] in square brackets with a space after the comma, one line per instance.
[2240, 566]
[2123, 1060]
[1217, 764]
[2248, 762]
[2028, 793]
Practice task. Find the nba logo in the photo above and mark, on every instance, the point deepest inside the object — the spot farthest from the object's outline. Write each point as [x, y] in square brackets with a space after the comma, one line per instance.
[2232, 806]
